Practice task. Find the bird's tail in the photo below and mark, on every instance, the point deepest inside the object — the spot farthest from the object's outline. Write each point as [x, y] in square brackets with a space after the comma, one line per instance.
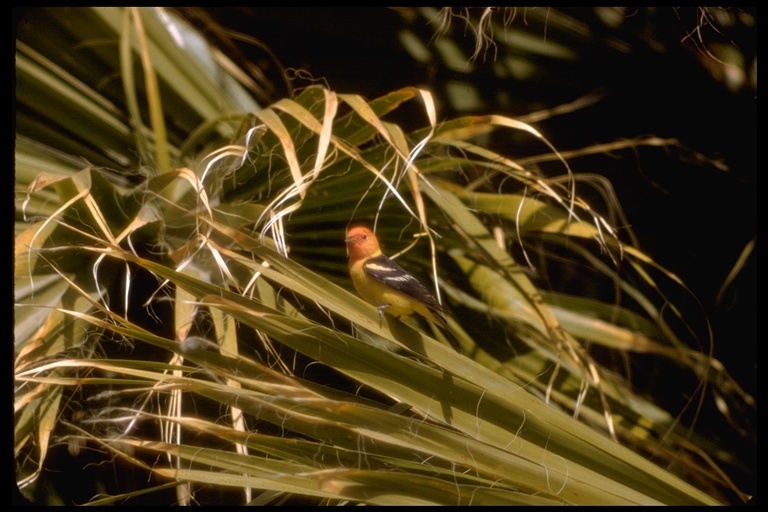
[443, 326]
[455, 343]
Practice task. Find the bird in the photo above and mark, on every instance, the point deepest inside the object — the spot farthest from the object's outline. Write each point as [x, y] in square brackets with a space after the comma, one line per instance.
[386, 285]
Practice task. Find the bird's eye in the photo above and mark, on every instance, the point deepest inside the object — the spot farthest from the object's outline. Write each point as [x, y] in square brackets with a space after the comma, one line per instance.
[365, 237]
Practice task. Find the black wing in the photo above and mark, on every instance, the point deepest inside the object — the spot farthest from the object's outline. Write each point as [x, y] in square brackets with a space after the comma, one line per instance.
[386, 271]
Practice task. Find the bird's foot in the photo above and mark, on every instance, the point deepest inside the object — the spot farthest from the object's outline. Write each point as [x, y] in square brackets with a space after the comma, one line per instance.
[381, 309]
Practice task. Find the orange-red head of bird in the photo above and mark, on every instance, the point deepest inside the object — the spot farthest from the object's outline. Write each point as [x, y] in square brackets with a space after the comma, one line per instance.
[361, 243]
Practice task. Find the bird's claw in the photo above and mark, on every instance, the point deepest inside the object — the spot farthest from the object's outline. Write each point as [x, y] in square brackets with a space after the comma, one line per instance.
[381, 309]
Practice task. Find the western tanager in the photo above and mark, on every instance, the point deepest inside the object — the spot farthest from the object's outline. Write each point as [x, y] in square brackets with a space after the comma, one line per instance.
[384, 284]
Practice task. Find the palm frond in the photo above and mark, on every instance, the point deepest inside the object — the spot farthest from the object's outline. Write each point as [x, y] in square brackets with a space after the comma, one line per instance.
[183, 307]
